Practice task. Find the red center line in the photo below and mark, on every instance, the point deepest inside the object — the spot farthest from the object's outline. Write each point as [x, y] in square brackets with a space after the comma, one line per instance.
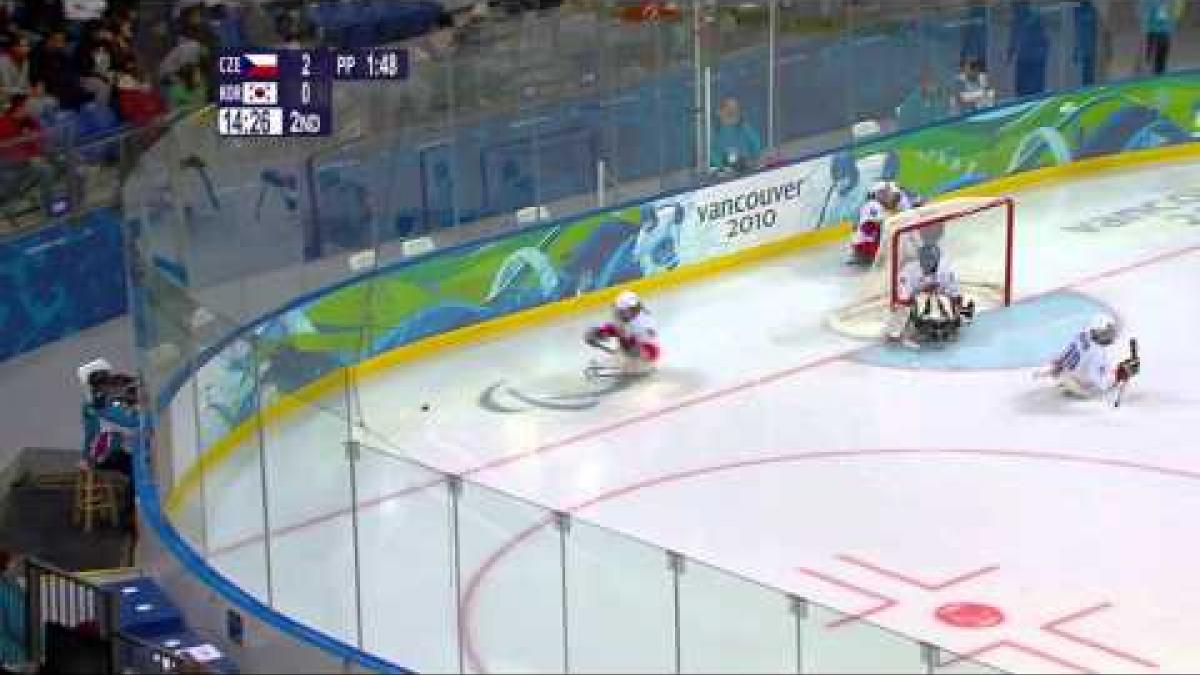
[1054, 628]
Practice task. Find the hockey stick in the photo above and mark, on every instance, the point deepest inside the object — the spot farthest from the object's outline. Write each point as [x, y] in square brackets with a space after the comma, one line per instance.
[1133, 356]
[597, 371]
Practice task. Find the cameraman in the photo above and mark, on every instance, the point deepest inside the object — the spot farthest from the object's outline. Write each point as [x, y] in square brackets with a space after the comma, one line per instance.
[111, 420]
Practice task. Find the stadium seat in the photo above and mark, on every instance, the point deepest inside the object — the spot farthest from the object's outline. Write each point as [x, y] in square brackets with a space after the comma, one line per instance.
[96, 123]
[62, 127]
[145, 609]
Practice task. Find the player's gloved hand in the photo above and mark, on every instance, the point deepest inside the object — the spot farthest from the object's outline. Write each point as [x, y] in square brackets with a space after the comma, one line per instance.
[1127, 369]
[967, 312]
[593, 338]
[630, 348]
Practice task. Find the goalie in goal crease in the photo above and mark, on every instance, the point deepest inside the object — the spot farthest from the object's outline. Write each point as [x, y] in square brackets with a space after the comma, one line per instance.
[929, 306]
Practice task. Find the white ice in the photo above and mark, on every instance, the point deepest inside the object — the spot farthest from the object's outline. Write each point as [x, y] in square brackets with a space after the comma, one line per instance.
[1070, 506]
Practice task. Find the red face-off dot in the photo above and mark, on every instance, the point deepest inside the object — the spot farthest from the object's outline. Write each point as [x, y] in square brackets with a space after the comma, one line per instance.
[969, 615]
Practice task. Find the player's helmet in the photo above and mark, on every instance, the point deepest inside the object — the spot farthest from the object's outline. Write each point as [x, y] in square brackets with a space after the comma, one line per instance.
[929, 255]
[1103, 329]
[627, 305]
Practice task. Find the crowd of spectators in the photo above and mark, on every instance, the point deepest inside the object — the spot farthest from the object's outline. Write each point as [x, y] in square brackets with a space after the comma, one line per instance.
[60, 62]
[1028, 53]
[71, 74]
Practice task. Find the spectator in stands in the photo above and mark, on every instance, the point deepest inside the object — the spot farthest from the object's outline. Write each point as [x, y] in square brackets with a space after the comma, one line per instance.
[1028, 48]
[187, 51]
[138, 102]
[21, 148]
[121, 29]
[927, 103]
[1159, 19]
[14, 79]
[96, 59]
[194, 25]
[14, 69]
[1087, 36]
[55, 67]
[188, 88]
[736, 146]
[971, 88]
[975, 34]
[17, 124]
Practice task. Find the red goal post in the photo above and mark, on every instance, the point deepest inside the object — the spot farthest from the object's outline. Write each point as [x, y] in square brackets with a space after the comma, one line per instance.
[975, 235]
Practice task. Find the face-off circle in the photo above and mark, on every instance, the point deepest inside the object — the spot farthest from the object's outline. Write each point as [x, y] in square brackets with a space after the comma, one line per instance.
[969, 615]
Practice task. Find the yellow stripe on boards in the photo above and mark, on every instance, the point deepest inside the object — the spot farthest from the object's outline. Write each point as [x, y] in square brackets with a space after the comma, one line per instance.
[306, 397]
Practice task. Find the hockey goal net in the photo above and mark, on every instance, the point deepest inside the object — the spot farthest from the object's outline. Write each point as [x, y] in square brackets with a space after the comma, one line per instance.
[975, 236]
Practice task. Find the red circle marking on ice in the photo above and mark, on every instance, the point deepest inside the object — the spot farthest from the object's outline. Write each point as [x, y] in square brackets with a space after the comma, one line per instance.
[969, 615]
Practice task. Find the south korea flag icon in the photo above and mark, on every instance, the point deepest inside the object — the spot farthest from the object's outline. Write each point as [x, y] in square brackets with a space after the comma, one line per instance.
[260, 93]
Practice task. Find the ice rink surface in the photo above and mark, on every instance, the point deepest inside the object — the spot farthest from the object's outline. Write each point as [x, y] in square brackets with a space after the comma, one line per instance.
[884, 483]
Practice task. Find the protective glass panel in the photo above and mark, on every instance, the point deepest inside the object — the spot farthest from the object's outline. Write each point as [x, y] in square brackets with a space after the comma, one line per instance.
[730, 625]
[838, 643]
[405, 539]
[310, 497]
[620, 603]
[511, 576]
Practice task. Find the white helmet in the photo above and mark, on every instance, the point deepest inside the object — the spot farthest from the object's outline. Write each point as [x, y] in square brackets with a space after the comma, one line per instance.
[1103, 329]
[879, 188]
[627, 301]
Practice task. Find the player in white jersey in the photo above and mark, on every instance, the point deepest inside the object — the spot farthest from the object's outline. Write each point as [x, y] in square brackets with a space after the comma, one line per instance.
[930, 306]
[1084, 368]
[633, 331]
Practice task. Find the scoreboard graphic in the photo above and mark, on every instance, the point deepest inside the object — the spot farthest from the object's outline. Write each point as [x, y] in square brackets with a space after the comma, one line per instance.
[289, 92]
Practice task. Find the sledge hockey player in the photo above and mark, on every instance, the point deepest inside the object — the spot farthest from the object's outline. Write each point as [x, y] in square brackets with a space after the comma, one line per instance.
[1083, 369]
[632, 335]
[931, 307]
[884, 200]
